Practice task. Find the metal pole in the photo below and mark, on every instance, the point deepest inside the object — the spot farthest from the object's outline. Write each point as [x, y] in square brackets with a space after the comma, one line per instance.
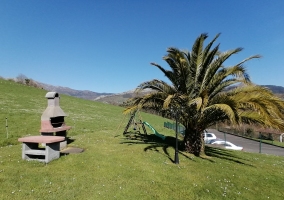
[260, 143]
[176, 150]
[7, 127]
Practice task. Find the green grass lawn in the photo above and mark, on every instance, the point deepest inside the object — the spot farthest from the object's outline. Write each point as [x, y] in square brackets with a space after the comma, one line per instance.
[114, 166]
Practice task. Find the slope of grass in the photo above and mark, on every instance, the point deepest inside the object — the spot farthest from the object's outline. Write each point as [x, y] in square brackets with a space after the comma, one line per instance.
[113, 166]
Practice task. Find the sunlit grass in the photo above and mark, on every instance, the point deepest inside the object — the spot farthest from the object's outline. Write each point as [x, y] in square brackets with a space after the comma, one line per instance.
[114, 166]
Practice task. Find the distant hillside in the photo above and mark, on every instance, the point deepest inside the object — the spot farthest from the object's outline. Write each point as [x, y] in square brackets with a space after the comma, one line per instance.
[117, 99]
[110, 98]
[84, 94]
[275, 89]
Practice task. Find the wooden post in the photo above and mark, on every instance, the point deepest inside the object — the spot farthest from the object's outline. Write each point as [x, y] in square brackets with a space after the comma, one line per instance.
[7, 127]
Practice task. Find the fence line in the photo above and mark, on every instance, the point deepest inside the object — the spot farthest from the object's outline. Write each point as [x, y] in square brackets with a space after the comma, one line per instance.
[250, 133]
[172, 126]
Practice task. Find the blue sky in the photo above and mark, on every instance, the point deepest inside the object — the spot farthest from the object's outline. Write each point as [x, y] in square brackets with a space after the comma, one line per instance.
[108, 45]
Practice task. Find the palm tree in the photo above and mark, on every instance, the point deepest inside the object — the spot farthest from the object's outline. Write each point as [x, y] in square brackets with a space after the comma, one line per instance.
[205, 92]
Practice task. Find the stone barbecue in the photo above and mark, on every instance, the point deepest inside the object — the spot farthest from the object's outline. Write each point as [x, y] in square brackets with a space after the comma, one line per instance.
[52, 119]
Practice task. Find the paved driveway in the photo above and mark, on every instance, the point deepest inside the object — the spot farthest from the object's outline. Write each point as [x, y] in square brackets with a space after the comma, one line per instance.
[249, 145]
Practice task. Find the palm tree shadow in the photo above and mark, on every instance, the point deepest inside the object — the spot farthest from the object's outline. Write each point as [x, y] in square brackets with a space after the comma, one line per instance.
[155, 143]
[224, 154]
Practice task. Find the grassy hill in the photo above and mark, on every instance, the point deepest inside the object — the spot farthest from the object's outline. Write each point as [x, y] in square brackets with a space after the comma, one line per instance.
[114, 166]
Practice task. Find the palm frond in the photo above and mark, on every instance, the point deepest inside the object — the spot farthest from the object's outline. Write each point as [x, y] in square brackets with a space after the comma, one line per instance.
[218, 110]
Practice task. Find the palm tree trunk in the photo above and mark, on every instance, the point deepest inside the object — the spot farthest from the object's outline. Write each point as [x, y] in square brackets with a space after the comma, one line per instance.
[193, 142]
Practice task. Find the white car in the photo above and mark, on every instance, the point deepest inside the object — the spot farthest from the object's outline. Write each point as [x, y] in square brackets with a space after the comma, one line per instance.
[208, 137]
[227, 145]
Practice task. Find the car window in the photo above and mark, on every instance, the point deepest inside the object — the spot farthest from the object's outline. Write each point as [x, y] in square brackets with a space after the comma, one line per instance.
[208, 135]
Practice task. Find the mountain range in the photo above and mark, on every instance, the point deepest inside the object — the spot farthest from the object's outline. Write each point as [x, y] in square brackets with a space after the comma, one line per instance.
[84, 94]
[119, 98]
